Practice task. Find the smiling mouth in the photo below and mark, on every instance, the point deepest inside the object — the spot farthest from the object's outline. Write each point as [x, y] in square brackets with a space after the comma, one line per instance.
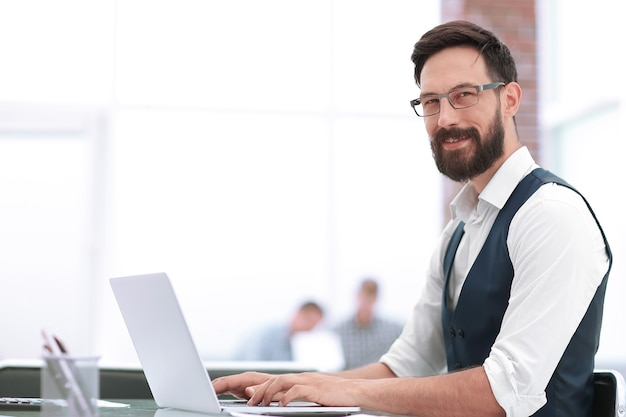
[455, 137]
[452, 140]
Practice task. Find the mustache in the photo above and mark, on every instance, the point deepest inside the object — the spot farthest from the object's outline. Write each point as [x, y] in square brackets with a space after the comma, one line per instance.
[454, 133]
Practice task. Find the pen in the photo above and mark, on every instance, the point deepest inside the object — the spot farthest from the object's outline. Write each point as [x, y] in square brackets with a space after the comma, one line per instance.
[60, 344]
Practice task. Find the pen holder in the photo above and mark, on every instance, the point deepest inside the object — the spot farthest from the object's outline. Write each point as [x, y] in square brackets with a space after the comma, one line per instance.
[70, 386]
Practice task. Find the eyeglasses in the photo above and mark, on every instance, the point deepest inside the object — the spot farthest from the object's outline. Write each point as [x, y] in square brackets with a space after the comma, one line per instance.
[459, 98]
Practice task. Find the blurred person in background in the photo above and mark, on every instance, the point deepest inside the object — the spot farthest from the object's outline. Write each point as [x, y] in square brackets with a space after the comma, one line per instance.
[365, 337]
[274, 342]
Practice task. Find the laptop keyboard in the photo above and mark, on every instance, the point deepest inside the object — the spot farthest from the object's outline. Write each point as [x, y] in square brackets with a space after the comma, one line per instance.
[233, 403]
[15, 404]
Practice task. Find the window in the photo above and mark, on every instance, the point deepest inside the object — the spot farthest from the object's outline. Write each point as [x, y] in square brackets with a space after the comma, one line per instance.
[582, 114]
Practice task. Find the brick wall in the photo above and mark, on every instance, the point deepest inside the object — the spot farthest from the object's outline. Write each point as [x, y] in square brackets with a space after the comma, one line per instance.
[515, 23]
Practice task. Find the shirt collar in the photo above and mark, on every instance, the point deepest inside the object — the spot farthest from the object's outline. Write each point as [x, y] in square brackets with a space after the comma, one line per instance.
[498, 189]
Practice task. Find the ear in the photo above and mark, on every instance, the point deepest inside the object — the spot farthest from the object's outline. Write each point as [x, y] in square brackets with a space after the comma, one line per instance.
[512, 97]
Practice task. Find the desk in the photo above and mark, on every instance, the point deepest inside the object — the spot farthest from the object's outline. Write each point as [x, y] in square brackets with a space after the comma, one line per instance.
[145, 408]
[138, 408]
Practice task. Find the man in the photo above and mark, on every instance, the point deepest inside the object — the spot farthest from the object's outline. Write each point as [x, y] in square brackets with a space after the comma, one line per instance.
[365, 337]
[513, 301]
[274, 343]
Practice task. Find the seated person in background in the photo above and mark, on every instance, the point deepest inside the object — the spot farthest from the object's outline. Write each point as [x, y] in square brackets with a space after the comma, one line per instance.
[365, 337]
[273, 343]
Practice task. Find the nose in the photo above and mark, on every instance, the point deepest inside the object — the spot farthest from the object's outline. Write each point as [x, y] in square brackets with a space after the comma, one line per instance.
[447, 114]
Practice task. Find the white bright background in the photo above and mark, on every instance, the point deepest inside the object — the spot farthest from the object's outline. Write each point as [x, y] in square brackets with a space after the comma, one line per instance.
[583, 111]
[261, 153]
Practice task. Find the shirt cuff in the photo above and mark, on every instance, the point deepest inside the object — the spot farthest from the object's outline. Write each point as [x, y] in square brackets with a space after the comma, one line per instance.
[501, 375]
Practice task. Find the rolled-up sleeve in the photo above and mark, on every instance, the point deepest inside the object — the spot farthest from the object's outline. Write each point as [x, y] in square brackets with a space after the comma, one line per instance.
[504, 386]
[559, 260]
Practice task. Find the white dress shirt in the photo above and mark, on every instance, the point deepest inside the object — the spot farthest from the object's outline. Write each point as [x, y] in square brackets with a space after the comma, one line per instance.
[558, 258]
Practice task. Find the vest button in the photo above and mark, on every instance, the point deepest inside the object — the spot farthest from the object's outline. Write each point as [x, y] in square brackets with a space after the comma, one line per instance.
[452, 332]
[461, 333]
[457, 365]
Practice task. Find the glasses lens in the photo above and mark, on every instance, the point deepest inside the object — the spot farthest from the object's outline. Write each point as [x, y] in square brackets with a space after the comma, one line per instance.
[427, 105]
[464, 97]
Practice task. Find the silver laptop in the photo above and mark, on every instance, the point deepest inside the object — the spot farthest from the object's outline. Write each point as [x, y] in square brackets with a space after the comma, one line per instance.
[174, 370]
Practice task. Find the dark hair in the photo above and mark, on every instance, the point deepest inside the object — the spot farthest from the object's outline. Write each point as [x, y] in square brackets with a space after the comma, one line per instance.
[500, 62]
[311, 306]
[369, 286]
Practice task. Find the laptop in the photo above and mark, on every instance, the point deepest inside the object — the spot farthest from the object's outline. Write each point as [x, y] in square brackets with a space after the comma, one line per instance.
[169, 357]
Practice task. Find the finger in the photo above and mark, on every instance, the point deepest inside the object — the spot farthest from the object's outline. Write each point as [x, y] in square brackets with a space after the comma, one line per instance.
[250, 391]
[296, 392]
[220, 385]
[237, 384]
[255, 394]
[275, 389]
[231, 385]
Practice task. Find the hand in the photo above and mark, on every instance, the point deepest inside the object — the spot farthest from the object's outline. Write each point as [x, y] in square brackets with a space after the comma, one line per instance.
[237, 384]
[315, 387]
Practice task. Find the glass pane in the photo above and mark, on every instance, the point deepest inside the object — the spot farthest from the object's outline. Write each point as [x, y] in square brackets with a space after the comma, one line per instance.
[44, 238]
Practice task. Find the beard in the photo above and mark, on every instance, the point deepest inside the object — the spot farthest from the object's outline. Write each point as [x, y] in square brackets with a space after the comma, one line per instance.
[461, 165]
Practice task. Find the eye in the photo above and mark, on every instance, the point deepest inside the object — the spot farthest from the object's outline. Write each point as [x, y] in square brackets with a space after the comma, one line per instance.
[464, 97]
[429, 100]
[463, 93]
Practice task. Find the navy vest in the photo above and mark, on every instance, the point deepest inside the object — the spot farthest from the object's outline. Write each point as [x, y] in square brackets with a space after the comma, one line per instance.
[471, 329]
